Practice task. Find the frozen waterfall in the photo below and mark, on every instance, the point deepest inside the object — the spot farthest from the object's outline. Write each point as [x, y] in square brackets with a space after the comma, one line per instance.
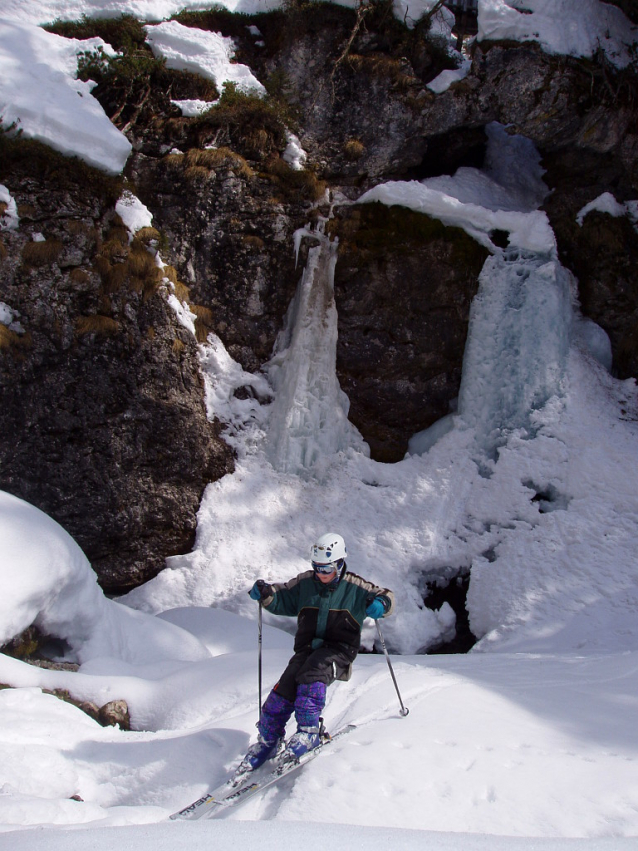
[521, 318]
[517, 346]
[308, 422]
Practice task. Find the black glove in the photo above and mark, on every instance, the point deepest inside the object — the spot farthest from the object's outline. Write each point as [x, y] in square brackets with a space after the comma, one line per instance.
[260, 590]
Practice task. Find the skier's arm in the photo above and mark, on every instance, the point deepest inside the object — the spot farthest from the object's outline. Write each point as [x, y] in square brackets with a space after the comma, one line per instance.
[377, 607]
[380, 602]
[367, 592]
[260, 591]
[283, 599]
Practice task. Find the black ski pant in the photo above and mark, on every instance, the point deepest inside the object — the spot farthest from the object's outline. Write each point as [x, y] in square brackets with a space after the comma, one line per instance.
[323, 665]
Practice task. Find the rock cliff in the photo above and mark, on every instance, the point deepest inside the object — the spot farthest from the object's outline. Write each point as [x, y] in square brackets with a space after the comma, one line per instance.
[103, 417]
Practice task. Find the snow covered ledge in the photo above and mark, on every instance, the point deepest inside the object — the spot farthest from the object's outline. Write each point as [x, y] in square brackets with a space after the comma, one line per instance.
[564, 27]
[46, 101]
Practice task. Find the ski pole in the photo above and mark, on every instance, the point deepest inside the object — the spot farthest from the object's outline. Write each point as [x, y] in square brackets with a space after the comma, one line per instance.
[404, 709]
[259, 621]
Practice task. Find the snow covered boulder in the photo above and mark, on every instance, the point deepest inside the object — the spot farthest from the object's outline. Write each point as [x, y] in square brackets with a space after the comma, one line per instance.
[47, 580]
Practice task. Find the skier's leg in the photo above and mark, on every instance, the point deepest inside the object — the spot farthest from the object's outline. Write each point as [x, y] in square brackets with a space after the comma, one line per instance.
[275, 712]
[274, 715]
[309, 703]
[271, 729]
[313, 679]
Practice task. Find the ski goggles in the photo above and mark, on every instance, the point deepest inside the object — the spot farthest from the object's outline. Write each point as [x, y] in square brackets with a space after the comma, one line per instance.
[326, 569]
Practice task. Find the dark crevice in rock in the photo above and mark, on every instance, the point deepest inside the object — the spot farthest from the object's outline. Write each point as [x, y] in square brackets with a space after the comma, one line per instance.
[450, 151]
[454, 593]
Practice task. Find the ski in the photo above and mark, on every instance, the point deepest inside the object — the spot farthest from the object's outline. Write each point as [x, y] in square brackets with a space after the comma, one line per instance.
[282, 768]
[237, 790]
[200, 808]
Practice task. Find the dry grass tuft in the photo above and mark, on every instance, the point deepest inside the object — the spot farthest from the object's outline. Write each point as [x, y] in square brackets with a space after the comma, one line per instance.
[147, 236]
[196, 173]
[258, 142]
[174, 160]
[115, 250]
[10, 340]
[181, 291]
[118, 232]
[143, 265]
[79, 276]
[42, 253]
[210, 159]
[205, 157]
[120, 264]
[170, 272]
[75, 226]
[102, 326]
[7, 338]
[113, 276]
[253, 242]
[203, 321]
[145, 275]
[354, 149]
[296, 185]
[383, 67]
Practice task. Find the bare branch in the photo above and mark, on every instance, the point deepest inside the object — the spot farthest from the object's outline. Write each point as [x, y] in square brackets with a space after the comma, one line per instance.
[138, 108]
[363, 8]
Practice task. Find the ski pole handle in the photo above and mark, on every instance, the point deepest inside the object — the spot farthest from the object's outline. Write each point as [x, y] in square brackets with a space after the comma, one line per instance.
[404, 710]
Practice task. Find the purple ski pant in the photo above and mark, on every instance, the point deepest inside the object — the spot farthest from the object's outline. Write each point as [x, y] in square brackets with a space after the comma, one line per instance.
[308, 705]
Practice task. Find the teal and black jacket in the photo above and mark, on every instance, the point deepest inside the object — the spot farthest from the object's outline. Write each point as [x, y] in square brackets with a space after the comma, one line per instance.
[327, 614]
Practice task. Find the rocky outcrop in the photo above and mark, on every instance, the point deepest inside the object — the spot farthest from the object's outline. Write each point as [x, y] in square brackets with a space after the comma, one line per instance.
[403, 287]
[602, 252]
[364, 114]
[230, 231]
[102, 417]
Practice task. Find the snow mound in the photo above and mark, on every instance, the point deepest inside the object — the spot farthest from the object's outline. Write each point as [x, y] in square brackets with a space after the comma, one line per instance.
[47, 580]
[224, 632]
[527, 230]
[201, 52]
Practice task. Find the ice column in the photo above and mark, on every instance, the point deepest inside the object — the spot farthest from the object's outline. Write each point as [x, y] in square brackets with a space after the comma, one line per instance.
[517, 346]
[309, 423]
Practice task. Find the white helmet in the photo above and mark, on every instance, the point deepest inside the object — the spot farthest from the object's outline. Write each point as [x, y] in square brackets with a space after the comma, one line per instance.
[330, 548]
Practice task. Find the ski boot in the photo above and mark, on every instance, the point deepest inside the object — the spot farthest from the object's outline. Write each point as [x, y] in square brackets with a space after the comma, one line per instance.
[257, 755]
[304, 740]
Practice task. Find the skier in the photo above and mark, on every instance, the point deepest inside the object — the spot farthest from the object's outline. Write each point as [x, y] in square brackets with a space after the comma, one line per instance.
[330, 604]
